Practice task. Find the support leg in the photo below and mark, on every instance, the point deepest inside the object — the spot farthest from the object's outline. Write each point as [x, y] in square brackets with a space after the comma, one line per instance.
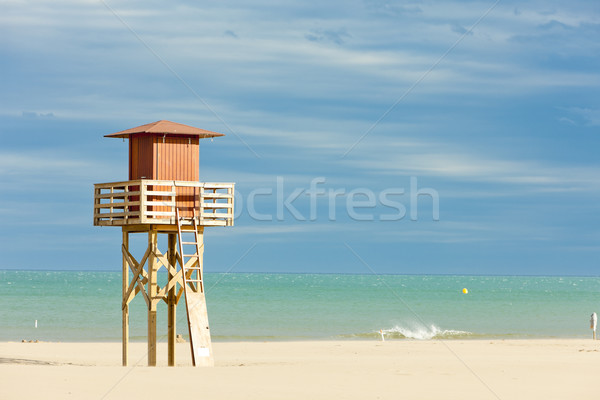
[125, 322]
[152, 290]
[171, 302]
[152, 338]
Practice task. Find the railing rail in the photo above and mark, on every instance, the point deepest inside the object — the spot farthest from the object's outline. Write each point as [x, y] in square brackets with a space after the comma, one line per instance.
[146, 201]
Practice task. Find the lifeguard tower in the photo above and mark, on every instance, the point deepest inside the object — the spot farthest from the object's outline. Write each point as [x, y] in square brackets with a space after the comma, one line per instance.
[163, 196]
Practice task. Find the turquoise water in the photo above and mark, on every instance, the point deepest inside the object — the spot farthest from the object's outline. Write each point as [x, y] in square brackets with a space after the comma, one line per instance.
[85, 306]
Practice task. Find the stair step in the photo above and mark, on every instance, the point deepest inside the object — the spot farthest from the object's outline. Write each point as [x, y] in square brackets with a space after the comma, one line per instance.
[188, 242]
[191, 255]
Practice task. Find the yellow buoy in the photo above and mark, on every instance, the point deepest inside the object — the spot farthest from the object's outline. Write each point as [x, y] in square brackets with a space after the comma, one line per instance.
[465, 291]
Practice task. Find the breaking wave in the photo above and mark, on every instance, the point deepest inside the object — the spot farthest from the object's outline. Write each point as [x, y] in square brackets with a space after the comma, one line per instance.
[418, 332]
[424, 333]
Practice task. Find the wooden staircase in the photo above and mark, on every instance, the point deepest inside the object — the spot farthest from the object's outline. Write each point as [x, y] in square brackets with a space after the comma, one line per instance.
[191, 249]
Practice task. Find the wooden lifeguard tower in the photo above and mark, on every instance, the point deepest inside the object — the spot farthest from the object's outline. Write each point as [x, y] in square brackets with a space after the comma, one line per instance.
[164, 196]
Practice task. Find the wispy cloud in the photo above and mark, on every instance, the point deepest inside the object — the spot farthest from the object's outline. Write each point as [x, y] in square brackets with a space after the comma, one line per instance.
[274, 60]
[338, 36]
[582, 116]
[49, 168]
[230, 33]
[443, 161]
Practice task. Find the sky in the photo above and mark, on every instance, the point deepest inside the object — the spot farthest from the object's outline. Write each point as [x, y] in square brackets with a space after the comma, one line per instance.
[408, 137]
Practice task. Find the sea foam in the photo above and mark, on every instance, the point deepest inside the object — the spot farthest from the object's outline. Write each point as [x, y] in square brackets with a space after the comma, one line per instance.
[422, 332]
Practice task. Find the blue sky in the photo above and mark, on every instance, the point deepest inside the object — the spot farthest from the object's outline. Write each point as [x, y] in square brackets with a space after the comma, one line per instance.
[493, 106]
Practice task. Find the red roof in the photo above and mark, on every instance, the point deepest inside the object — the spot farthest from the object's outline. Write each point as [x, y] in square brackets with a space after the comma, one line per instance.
[166, 128]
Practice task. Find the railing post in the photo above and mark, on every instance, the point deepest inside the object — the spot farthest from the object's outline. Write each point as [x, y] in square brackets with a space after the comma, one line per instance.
[230, 204]
[126, 201]
[201, 206]
[96, 201]
[111, 200]
[142, 201]
[173, 200]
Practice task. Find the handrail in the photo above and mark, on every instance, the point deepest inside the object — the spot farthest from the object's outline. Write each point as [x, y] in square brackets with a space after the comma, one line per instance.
[146, 201]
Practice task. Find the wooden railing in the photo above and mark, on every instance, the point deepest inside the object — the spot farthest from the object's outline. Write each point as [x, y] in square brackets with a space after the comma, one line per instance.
[145, 201]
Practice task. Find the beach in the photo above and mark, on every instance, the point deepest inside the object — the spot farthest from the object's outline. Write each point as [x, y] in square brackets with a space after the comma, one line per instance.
[347, 369]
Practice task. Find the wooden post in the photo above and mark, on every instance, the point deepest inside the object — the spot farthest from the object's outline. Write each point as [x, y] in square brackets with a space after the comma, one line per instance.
[125, 322]
[152, 290]
[200, 249]
[172, 301]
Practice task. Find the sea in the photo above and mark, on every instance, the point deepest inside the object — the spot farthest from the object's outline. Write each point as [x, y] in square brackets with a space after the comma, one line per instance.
[66, 306]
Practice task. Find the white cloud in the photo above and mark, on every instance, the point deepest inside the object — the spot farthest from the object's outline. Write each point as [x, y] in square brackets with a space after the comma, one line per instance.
[49, 167]
[588, 116]
[89, 50]
[443, 161]
[275, 229]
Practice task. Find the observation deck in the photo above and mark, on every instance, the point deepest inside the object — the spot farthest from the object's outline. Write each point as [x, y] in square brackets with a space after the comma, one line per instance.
[153, 202]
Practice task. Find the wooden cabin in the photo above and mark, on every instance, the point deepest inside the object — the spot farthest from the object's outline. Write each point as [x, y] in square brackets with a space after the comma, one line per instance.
[158, 152]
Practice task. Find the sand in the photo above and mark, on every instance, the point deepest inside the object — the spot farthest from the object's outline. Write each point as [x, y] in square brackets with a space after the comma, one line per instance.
[403, 369]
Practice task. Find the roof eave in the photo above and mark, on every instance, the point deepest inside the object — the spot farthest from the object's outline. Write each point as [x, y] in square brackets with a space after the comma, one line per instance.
[200, 135]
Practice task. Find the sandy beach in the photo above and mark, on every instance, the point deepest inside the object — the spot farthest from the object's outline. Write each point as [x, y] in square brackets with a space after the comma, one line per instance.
[472, 369]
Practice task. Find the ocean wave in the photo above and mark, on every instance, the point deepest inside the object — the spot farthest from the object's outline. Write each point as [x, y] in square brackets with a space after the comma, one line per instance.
[424, 333]
[418, 332]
